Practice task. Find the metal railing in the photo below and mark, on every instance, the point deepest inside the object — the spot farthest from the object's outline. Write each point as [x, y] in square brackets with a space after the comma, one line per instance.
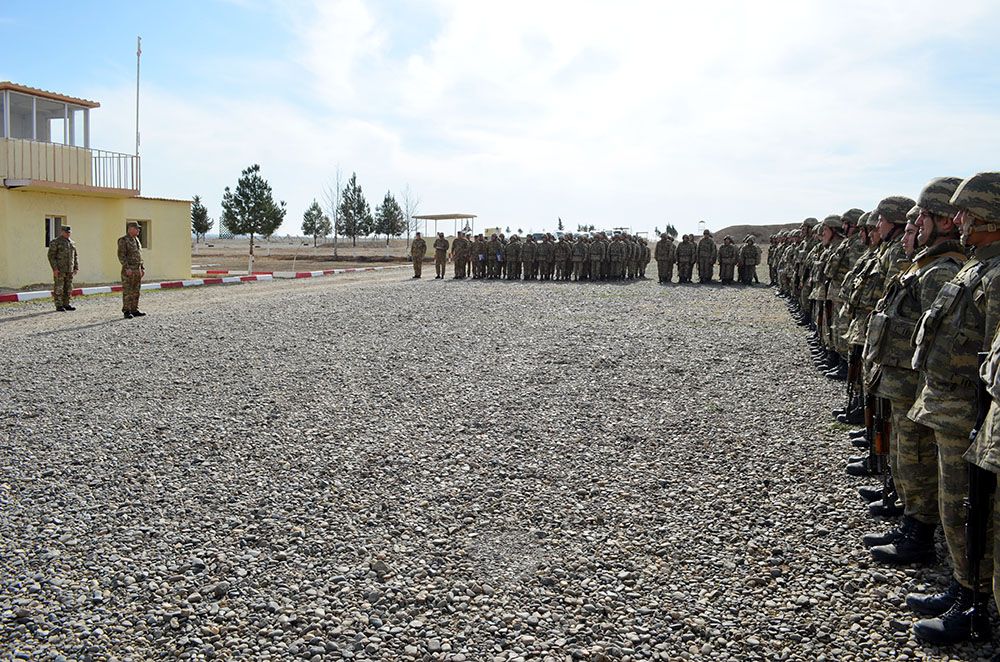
[69, 165]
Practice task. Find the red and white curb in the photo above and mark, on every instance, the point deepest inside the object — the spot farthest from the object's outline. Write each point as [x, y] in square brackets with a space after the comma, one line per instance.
[163, 285]
[331, 272]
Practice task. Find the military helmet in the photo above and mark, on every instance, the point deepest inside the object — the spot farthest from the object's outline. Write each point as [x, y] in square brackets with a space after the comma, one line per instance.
[852, 216]
[936, 196]
[810, 222]
[833, 221]
[707, 233]
[911, 216]
[750, 239]
[866, 220]
[980, 196]
[893, 209]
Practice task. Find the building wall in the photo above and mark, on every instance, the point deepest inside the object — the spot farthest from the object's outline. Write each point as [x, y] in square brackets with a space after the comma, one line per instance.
[97, 224]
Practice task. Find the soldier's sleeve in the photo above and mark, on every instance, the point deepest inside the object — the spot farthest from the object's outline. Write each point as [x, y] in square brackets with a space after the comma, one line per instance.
[990, 307]
[122, 250]
[76, 259]
[932, 282]
[53, 254]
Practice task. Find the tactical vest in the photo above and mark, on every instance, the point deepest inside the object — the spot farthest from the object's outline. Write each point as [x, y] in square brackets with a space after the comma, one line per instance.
[952, 328]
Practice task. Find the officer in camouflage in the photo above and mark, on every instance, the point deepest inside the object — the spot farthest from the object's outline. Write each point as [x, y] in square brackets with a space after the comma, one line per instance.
[65, 263]
[130, 256]
[707, 253]
[665, 256]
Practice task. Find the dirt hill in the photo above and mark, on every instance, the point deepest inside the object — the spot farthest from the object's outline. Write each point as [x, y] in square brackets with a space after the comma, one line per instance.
[761, 232]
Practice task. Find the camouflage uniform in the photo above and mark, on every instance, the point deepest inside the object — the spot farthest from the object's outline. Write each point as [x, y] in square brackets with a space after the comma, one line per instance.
[665, 256]
[687, 253]
[440, 256]
[579, 256]
[616, 258]
[727, 260]
[545, 254]
[596, 253]
[512, 258]
[561, 254]
[494, 256]
[460, 254]
[707, 252]
[63, 258]
[749, 258]
[528, 264]
[479, 251]
[130, 256]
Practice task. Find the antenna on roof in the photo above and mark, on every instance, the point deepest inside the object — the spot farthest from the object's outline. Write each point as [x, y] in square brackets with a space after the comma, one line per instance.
[138, 56]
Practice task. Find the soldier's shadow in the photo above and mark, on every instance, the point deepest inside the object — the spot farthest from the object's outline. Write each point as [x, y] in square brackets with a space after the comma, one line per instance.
[26, 316]
[69, 329]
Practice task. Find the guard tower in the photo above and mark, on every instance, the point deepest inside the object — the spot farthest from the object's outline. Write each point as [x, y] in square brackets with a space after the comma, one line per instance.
[45, 146]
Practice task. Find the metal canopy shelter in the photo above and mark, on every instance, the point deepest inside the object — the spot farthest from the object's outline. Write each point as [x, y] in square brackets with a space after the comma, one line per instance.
[447, 217]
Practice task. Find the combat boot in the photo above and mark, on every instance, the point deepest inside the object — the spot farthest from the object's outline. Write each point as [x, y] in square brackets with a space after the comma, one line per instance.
[839, 372]
[933, 604]
[863, 469]
[851, 416]
[853, 459]
[870, 493]
[860, 432]
[861, 442]
[953, 626]
[915, 547]
[890, 536]
[882, 509]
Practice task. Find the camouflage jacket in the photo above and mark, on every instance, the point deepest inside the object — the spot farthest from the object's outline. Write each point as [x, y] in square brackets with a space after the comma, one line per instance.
[616, 252]
[63, 256]
[727, 254]
[130, 252]
[460, 247]
[750, 255]
[665, 250]
[597, 250]
[562, 251]
[686, 252]
[579, 251]
[960, 323]
[440, 246]
[494, 250]
[707, 250]
[528, 251]
[545, 251]
[512, 251]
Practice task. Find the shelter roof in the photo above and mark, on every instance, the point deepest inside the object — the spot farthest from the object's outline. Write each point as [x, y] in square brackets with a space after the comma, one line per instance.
[45, 94]
[444, 217]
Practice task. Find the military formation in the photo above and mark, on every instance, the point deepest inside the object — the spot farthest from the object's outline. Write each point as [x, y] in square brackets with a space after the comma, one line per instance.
[587, 257]
[64, 259]
[902, 304]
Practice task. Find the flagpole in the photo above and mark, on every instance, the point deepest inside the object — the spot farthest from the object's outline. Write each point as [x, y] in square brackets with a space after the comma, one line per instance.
[138, 56]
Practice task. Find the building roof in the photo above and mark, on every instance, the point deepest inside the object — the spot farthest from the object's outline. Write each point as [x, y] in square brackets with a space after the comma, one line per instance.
[45, 94]
[443, 217]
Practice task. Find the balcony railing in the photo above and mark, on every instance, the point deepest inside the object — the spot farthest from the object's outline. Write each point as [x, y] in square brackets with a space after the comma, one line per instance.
[69, 166]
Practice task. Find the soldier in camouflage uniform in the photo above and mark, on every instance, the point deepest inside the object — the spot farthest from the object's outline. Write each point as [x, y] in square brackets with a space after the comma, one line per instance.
[707, 252]
[561, 253]
[512, 258]
[687, 253]
[889, 348]
[596, 254]
[528, 254]
[665, 255]
[65, 263]
[494, 256]
[460, 254]
[616, 258]
[579, 257]
[961, 322]
[130, 256]
[749, 258]
[479, 251]
[545, 254]
[728, 255]
[440, 256]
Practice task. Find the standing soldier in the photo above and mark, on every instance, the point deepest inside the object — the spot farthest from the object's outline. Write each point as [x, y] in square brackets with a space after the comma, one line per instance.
[773, 256]
[544, 255]
[494, 254]
[479, 257]
[561, 253]
[528, 254]
[417, 251]
[512, 257]
[728, 255]
[687, 253]
[579, 256]
[460, 254]
[65, 264]
[130, 256]
[440, 255]
[959, 324]
[750, 257]
[665, 252]
[644, 259]
[707, 252]
[596, 255]
[616, 258]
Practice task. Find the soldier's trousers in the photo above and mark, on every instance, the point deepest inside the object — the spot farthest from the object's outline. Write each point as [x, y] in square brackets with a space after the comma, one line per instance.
[578, 270]
[560, 267]
[460, 263]
[953, 489]
[62, 289]
[726, 272]
[705, 268]
[130, 290]
[617, 269]
[595, 269]
[440, 261]
[914, 461]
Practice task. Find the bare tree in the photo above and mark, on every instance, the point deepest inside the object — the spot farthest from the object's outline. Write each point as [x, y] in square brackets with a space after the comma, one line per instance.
[411, 203]
[331, 197]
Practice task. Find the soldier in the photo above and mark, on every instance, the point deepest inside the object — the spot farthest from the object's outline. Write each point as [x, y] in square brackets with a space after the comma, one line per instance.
[773, 257]
[130, 256]
[914, 457]
[479, 251]
[616, 258]
[665, 255]
[65, 264]
[528, 257]
[561, 253]
[579, 257]
[727, 260]
[460, 254]
[512, 257]
[596, 253]
[545, 255]
[960, 322]
[749, 259]
[440, 255]
[494, 257]
[644, 258]
[707, 252]
[686, 254]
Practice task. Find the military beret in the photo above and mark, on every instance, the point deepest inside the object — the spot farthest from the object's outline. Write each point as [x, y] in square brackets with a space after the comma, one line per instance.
[894, 208]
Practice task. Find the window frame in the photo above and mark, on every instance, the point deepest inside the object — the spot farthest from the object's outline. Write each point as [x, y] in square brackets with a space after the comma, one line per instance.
[53, 227]
[145, 232]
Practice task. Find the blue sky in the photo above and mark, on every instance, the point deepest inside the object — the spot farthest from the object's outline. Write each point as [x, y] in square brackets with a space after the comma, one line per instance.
[628, 113]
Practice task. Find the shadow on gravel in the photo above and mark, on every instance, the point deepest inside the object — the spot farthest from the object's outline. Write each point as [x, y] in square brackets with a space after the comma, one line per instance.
[17, 318]
[67, 329]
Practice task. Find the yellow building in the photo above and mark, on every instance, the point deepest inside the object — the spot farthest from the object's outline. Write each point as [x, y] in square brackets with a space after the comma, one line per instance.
[52, 177]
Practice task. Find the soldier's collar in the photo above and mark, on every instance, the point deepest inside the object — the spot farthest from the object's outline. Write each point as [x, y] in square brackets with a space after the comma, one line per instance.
[988, 251]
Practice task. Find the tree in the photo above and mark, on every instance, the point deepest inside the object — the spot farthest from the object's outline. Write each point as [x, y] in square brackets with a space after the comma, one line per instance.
[560, 224]
[315, 223]
[355, 216]
[671, 230]
[251, 209]
[200, 222]
[411, 203]
[389, 218]
[520, 231]
[656, 231]
[331, 196]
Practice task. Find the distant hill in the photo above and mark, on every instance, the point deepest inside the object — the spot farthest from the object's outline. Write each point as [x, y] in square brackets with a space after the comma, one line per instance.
[761, 232]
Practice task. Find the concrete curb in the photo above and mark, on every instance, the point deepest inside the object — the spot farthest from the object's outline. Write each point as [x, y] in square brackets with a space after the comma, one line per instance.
[193, 282]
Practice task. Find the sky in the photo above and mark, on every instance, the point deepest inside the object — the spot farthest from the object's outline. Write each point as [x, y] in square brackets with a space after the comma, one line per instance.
[617, 114]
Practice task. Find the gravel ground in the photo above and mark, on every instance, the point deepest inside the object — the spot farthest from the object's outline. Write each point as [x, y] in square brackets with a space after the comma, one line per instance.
[373, 468]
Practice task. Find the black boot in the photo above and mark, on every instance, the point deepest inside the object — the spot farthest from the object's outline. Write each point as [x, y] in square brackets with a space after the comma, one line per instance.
[933, 604]
[953, 626]
[863, 468]
[890, 536]
[854, 459]
[863, 432]
[861, 443]
[839, 372]
[852, 416]
[882, 509]
[870, 493]
[916, 546]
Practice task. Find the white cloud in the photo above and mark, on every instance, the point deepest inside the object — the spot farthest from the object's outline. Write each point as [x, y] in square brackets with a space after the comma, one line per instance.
[625, 113]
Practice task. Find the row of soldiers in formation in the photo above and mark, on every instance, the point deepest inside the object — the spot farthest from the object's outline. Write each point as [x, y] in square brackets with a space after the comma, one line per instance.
[585, 257]
[903, 304]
